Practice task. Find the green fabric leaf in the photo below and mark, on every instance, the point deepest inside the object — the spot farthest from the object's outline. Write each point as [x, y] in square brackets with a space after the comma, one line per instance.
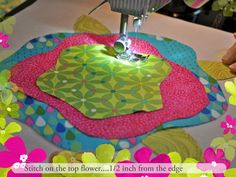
[52, 175]
[228, 11]
[232, 143]
[105, 153]
[6, 96]
[4, 137]
[216, 6]
[222, 3]
[7, 25]
[230, 87]
[190, 160]
[229, 153]
[230, 172]
[174, 140]
[175, 157]
[4, 171]
[59, 159]
[13, 127]
[2, 123]
[89, 157]
[232, 100]
[217, 141]
[122, 156]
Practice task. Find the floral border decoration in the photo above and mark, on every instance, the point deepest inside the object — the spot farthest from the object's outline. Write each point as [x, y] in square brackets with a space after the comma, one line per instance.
[221, 149]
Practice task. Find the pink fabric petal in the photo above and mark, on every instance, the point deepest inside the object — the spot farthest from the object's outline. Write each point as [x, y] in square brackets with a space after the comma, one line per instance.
[218, 175]
[161, 158]
[5, 37]
[209, 155]
[229, 119]
[223, 125]
[226, 131]
[143, 155]
[126, 175]
[35, 175]
[7, 159]
[5, 45]
[37, 155]
[12, 174]
[234, 122]
[16, 145]
[233, 131]
[220, 154]
[226, 162]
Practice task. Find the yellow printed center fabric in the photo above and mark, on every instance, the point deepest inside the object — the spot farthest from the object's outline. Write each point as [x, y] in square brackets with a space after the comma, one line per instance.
[94, 81]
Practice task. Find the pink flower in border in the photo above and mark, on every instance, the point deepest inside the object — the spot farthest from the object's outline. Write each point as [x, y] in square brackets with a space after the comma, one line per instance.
[16, 156]
[143, 155]
[229, 125]
[213, 158]
[4, 40]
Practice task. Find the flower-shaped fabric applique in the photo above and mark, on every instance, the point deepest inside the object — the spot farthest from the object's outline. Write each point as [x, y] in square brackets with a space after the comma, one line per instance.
[6, 131]
[143, 155]
[67, 157]
[4, 40]
[230, 87]
[6, 26]
[16, 156]
[227, 144]
[105, 154]
[229, 125]
[83, 78]
[11, 110]
[176, 158]
[214, 159]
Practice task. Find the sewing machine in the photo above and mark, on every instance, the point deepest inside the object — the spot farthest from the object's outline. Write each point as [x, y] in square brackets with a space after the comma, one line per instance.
[140, 9]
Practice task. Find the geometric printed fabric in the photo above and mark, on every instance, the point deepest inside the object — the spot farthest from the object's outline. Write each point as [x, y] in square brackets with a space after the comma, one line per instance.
[94, 81]
[171, 49]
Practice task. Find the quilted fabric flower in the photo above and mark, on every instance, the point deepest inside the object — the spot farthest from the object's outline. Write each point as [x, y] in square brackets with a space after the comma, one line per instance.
[16, 156]
[143, 155]
[227, 144]
[11, 110]
[176, 158]
[230, 87]
[229, 125]
[67, 157]
[100, 91]
[214, 158]
[105, 154]
[4, 40]
[7, 131]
